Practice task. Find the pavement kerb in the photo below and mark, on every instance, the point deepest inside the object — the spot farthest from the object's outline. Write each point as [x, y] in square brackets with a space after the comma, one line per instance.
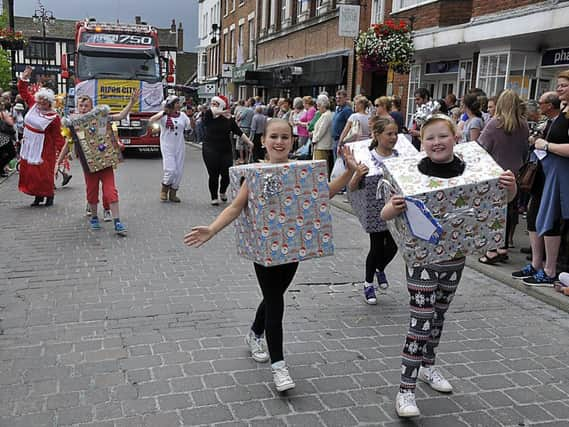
[546, 295]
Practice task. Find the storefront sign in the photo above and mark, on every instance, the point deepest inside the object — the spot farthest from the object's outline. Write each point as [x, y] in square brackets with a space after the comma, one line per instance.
[349, 25]
[555, 57]
[240, 72]
[227, 70]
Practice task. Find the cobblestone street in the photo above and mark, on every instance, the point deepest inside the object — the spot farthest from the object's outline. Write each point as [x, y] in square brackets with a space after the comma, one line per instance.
[99, 330]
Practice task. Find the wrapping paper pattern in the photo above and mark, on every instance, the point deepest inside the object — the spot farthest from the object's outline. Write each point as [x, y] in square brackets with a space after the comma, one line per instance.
[91, 132]
[471, 208]
[364, 201]
[287, 218]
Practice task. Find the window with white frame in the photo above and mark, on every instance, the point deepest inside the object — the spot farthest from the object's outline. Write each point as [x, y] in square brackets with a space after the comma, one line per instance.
[464, 77]
[284, 13]
[240, 38]
[302, 6]
[232, 45]
[492, 72]
[378, 11]
[251, 38]
[233, 6]
[226, 47]
[414, 84]
[402, 4]
[226, 7]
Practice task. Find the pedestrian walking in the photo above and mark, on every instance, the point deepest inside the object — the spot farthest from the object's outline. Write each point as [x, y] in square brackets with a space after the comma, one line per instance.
[258, 125]
[273, 280]
[431, 287]
[217, 149]
[382, 248]
[173, 123]
[42, 139]
[7, 139]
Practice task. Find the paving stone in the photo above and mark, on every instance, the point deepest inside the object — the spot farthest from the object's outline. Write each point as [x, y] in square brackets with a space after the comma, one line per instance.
[80, 414]
[248, 410]
[368, 414]
[206, 415]
[174, 401]
[338, 418]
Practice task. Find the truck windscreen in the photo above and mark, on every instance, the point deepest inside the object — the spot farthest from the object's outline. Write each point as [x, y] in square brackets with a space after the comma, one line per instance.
[121, 64]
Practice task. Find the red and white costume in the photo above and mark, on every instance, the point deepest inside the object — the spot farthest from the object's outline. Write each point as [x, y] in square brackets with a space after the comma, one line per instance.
[42, 138]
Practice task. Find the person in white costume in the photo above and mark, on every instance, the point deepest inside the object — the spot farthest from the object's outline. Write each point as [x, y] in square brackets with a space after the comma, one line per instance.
[172, 145]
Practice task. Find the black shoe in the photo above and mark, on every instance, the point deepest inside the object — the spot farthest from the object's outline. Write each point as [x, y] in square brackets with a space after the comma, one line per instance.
[49, 201]
[525, 250]
[37, 201]
[66, 179]
[4, 174]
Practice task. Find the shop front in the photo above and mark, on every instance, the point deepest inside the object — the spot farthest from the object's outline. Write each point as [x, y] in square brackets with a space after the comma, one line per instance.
[249, 82]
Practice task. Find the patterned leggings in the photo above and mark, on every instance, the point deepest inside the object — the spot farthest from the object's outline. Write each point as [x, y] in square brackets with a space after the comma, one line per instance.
[431, 290]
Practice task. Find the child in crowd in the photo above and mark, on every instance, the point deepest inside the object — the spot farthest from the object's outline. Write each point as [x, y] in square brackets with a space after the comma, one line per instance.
[273, 280]
[382, 246]
[432, 287]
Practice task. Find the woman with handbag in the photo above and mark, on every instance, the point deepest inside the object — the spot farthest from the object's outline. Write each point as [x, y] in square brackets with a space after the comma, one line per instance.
[7, 138]
[505, 137]
[357, 126]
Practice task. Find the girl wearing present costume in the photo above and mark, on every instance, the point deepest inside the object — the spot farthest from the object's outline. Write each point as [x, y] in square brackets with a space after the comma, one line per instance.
[273, 280]
[431, 287]
[382, 246]
[172, 145]
[42, 139]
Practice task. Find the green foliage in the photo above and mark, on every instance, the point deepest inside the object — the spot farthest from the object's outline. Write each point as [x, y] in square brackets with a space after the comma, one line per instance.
[5, 69]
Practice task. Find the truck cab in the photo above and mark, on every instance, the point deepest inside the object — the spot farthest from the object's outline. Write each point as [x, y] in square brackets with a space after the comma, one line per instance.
[112, 61]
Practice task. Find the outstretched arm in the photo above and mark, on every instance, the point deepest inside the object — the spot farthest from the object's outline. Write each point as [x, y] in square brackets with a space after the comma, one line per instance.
[339, 183]
[23, 87]
[126, 110]
[201, 234]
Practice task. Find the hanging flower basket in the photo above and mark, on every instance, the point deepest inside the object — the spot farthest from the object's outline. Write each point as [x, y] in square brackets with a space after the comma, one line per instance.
[12, 40]
[385, 46]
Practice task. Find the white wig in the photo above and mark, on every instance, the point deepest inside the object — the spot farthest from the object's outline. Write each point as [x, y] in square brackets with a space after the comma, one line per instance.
[46, 94]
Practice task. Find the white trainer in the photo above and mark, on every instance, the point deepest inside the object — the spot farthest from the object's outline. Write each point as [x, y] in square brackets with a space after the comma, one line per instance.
[107, 215]
[256, 347]
[405, 405]
[435, 379]
[282, 378]
[215, 202]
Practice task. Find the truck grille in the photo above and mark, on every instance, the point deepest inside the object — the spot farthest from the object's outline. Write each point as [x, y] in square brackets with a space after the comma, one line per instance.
[131, 132]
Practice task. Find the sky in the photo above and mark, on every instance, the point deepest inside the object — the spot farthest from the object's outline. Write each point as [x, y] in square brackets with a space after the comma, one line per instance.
[158, 13]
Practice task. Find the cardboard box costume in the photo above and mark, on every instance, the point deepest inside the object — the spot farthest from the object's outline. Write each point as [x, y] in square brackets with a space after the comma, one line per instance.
[470, 208]
[364, 201]
[94, 136]
[287, 217]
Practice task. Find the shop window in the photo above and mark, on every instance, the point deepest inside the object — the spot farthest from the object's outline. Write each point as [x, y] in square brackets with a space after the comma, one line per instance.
[414, 84]
[378, 11]
[492, 73]
[464, 77]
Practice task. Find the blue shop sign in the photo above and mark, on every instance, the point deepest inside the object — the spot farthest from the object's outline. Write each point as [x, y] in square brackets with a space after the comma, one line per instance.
[554, 57]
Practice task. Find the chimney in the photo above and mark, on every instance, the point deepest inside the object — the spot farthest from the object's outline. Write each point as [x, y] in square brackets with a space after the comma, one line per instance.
[137, 20]
[180, 38]
[173, 26]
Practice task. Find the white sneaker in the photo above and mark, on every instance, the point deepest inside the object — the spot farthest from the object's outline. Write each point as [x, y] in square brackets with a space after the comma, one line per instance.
[405, 405]
[215, 202]
[256, 347]
[107, 215]
[435, 379]
[88, 210]
[282, 378]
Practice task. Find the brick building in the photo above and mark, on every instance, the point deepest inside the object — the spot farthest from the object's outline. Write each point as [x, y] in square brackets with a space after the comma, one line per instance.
[209, 31]
[240, 79]
[517, 44]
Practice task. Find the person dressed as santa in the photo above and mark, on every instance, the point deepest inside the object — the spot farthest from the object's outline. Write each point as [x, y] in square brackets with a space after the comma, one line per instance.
[172, 145]
[42, 139]
[217, 147]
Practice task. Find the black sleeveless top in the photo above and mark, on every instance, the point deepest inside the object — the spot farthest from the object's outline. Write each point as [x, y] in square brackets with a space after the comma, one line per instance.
[558, 131]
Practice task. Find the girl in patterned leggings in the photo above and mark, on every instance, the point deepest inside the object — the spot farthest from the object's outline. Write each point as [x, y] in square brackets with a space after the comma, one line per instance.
[432, 287]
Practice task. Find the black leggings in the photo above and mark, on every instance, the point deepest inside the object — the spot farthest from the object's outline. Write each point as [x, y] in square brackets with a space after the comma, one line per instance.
[382, 250]
[7, 153]
[274, 282]
[217, 164]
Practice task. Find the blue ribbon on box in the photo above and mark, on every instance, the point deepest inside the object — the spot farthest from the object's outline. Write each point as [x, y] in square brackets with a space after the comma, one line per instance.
[422, 225]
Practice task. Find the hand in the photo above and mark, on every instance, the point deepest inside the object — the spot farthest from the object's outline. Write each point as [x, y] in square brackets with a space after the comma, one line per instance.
[348, 157]
[198, 236]
[508, 181]
[27, 73]
[398, 203]
[361, 170]
[540, 143]
[135, 95]
[415, 133]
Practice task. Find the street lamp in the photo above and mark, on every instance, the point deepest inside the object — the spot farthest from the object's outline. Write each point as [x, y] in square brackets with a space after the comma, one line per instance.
[45, 17]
